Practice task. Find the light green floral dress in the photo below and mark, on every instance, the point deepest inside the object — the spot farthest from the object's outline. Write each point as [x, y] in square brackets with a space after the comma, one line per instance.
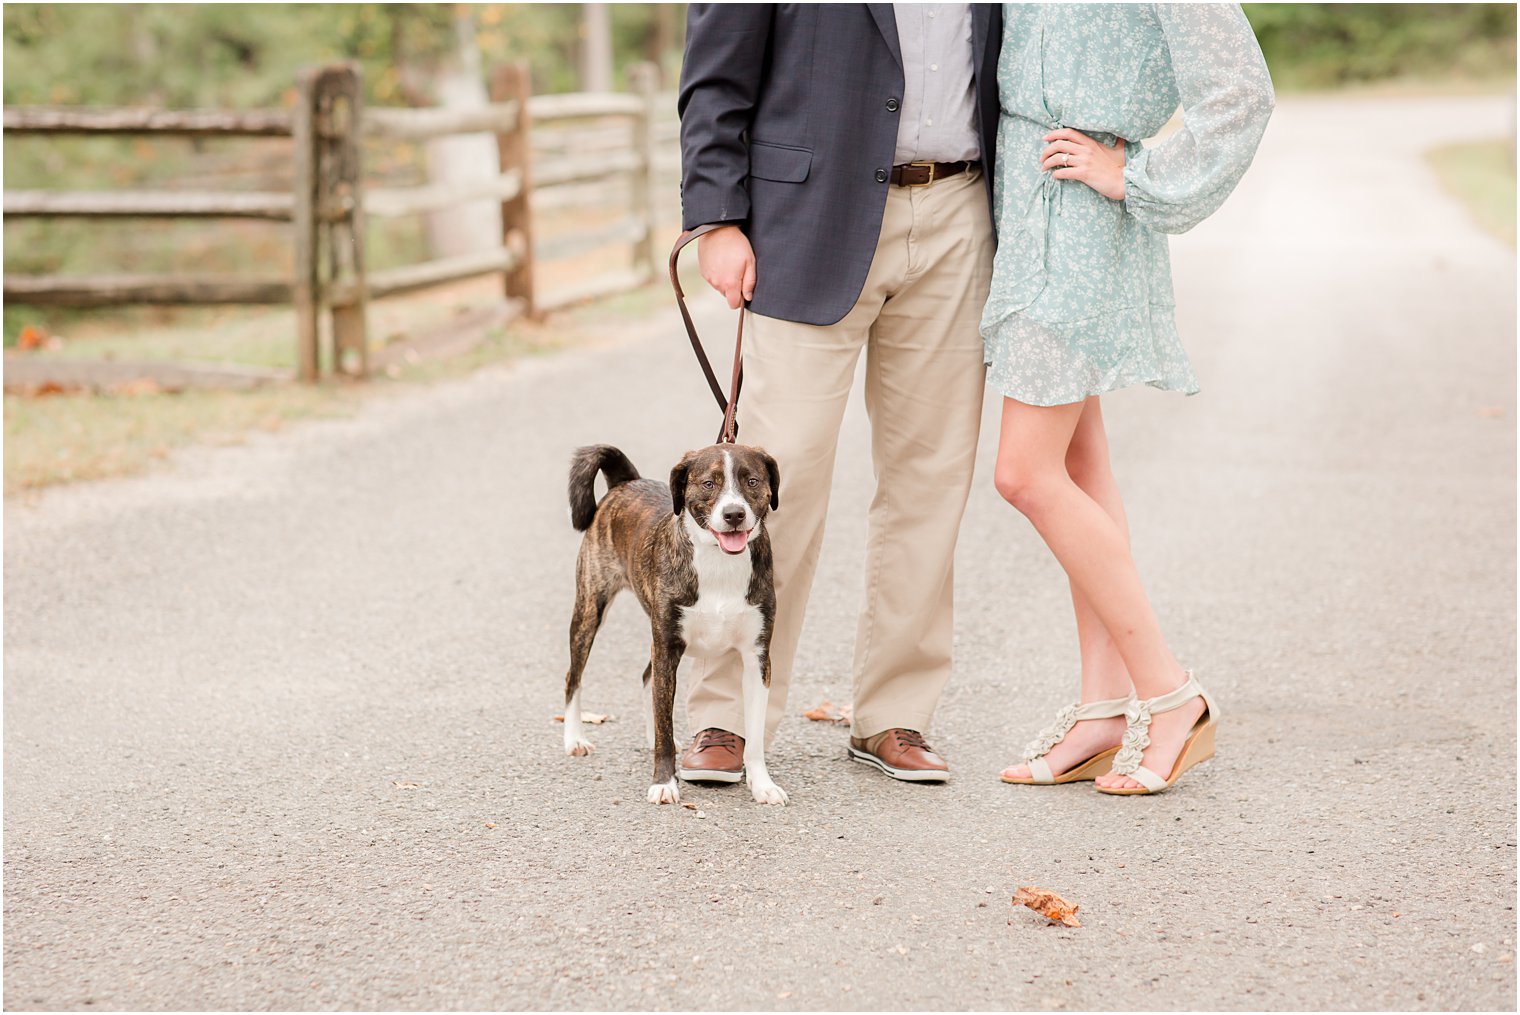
[1081, 299]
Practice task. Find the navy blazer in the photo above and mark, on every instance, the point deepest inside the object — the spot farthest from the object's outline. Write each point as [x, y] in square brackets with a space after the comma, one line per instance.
[789, 116]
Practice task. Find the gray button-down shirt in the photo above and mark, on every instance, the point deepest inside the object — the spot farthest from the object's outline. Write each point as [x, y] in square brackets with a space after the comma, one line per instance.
[938, 121]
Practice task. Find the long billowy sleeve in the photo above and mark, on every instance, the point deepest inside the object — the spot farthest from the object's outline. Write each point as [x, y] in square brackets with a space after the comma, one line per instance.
[720, 83]
[1227, 98]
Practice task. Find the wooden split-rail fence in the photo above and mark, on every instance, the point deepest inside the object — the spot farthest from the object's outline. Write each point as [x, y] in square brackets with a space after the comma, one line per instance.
[329, 202]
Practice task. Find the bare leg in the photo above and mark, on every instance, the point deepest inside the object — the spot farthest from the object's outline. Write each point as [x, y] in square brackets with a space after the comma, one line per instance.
[1093, 549]
[1104, 675]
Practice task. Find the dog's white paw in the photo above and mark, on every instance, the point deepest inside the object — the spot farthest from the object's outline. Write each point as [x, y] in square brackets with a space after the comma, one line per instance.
[768, 793]
[665, 793]
[579, 747]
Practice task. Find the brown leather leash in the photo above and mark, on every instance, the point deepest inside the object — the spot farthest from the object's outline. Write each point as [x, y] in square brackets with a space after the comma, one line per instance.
[730, 404]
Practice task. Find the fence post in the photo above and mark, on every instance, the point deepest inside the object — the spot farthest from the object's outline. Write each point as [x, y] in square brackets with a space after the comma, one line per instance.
[645, 78]
[303, 295]
[329, 219]
[511, 83]
[340, 103]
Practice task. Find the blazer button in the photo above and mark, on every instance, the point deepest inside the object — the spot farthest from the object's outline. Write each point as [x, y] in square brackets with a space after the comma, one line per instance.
[881, 176]
[891, 105]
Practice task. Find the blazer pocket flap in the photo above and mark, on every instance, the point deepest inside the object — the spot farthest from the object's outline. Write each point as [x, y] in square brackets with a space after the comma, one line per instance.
[781, 163]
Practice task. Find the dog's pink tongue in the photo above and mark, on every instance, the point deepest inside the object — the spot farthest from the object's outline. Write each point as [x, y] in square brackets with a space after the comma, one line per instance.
[732, 542]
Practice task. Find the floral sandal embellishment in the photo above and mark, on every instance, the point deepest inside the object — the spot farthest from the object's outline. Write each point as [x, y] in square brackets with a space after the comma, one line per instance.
[1137, 737]
[1052, 734]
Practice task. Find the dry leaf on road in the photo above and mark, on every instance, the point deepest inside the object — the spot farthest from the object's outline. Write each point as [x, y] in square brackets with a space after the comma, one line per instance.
[594, 718]
[1048, 904]
[405, 785]
[829, 712]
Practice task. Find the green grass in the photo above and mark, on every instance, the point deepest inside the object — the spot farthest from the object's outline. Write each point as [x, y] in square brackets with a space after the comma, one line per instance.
[1482, 175]
[1313, 46]
[66, 438]
[189, 335]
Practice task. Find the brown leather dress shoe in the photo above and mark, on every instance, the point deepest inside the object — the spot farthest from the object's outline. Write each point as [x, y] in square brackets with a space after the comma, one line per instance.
[902, 754]
[714, 756]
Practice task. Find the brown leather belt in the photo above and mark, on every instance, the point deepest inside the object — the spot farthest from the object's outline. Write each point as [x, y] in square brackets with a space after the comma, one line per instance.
[921, 174]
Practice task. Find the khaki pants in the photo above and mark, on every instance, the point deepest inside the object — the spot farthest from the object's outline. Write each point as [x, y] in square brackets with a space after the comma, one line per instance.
[917, 318]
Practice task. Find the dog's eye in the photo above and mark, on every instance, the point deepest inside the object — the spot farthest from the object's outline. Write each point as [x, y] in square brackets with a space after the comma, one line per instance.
[708, 484]
[753, 481]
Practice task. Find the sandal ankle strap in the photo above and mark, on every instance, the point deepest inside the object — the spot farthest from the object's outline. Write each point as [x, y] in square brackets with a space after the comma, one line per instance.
[1189, 690]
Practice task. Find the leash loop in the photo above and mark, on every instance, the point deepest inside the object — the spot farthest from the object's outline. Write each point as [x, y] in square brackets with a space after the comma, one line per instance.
[729, 404]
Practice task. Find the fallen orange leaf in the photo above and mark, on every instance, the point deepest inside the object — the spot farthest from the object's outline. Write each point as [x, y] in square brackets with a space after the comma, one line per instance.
[1048, 904]
[829, 712]
[31, 338]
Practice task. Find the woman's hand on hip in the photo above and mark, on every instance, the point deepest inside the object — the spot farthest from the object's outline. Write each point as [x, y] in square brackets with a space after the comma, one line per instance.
[1072, 155]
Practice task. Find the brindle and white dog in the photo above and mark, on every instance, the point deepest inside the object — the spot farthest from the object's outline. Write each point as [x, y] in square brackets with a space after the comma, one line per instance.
[698, 557]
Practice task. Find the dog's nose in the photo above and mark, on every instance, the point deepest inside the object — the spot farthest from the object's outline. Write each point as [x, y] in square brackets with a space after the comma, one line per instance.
[734, 517]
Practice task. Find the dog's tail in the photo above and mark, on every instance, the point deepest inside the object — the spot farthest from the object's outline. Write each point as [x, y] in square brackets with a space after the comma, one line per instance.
[584, 466]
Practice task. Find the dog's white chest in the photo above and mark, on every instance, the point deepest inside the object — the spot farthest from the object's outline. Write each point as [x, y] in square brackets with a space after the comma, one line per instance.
[721, 619]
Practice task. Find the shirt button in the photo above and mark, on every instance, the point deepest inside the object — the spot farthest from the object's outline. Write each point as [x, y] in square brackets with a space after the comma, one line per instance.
[928, 123]
[881, 176]
[891, 105]
[934, 66]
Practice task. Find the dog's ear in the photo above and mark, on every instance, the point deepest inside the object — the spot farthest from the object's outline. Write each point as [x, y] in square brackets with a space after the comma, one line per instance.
[773, 473]
[678, 481]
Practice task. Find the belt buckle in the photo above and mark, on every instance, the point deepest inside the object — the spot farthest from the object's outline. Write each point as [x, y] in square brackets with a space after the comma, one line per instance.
[927, 165]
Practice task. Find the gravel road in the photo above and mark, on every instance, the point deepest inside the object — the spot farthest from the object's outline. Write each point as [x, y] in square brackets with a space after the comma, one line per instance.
[278, 718]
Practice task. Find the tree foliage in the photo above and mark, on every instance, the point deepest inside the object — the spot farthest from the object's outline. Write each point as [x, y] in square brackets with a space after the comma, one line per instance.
[1323, 45]
[247, 55]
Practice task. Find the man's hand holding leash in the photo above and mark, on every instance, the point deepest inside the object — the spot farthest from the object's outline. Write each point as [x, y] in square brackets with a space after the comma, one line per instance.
[728, 264]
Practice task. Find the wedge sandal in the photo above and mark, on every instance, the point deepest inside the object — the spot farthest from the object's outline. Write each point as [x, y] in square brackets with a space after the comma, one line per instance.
[1198, 747]
[1086, 771]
